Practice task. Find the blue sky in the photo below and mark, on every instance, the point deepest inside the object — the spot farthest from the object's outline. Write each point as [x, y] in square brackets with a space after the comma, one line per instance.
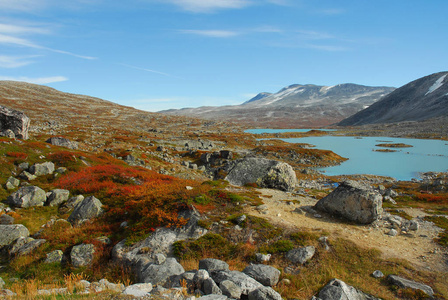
[161, 54]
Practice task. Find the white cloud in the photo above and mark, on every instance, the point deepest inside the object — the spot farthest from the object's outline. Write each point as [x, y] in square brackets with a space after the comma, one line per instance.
[146, 70]
[7, 61]
[39, 80]
[21, 5]
[213, 33]
[207, 6]
[18, 29]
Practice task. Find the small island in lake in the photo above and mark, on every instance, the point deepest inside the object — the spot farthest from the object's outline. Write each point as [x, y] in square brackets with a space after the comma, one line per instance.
[394, 145]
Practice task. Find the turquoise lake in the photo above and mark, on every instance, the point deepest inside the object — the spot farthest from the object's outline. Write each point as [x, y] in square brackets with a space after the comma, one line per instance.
[260, 131]
[405, 164]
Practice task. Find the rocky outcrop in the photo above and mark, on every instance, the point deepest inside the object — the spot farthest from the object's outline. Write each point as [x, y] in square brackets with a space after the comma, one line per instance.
[88, 209]
[82, 255]
[12, 183]
[337, 290]
[28, 196]
[10, 233]
[15, 121]
[45, 168]
[264, 172]
[63, 142]
[406, 283]
[57, 197]
[353, 201]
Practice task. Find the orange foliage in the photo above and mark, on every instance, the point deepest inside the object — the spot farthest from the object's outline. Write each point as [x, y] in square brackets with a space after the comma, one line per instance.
[441, 199]
[62, 157]
[19, 155]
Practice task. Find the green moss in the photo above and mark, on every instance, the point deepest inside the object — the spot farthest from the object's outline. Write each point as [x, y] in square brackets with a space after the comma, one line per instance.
[209, 245]
[280, 246]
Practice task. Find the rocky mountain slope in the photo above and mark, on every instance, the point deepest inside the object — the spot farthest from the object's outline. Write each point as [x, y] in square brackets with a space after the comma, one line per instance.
[422, 99]
[295, 106]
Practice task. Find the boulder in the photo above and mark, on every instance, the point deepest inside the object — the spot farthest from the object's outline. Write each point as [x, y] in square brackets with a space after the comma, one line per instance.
[406, 283]
[200, 277]
[213, 297]
[264, 172]
[230, 289]
[264, 293]
[300, 255]
[25, 175]
[266, 275]
[6, 219]
[159, 274]
[82, 255]
[57, 197]
[210, 287]
[353, 201]
[54, 257]
[63, 142]
[88, 209]
[245, 282]
[28, 196]
[8, 133]
[138, 290]
[27, 246]
[12, 183]
[338, 290]
[10, 233]
[212, 264]
[45, 168]
[71, 203]
[14, 120]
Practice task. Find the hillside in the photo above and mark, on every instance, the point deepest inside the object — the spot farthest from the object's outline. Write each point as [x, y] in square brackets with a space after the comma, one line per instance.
[294, 106]
[419, 100]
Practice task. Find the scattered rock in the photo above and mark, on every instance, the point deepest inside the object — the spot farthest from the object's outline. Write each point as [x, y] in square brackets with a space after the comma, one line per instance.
[337, 290]
[353, 201]
[245, 282]
[71, 203]
[138, 290]
[45, 168]
[209, 287]
[57, 197]
[25, 175]
[264, 293]
[88, 209]
[212, 264]
[377, 274]
[392, 232]
[260, 257]
[266, 275]
[28, 196]
[82, 255]
[406, 283]
[15, 121]
[12, 183]
[10, 233]
[301, 255]
[29, 246]
[63, 142]
[6, 219]
[159, 274]
[230, 289]
[54, 257]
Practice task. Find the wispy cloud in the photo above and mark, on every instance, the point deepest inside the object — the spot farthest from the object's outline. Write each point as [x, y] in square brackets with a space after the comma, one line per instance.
[208, 6]
[213, 33]
[21, 5]
[39, 80]
[147, 70]
[7, 61]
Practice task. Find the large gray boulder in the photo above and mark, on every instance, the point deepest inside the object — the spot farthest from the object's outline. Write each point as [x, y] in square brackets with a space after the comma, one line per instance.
[406, 283]
[88, 209]
[301, 255]
[63, 142]
[266, 275]
[70, 204]
[209, 287]
[230, 289]
[212, 264]
[41, 169]
[138, 290]
[14, 120]
[25, 245]
[12, 183]
[246, 283]
[353, 201]
[339, 290]
[57, 197]
[264, 172]
[10, 233]
[82, 255]
[28, 196]
[159, 274]
[264, 293]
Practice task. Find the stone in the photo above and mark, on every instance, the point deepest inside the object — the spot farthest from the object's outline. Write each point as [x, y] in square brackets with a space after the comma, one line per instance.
[353, 201]
[264, 293]
[6, 219]
[264, 172]
[88, 209]
[8, 133]
[138, 290]
[29, 246]
[261, 257]
[54, 257]
[413, 225]
[213, 297]
[338, 290]
[45, 168]
[71, 203]
[301, 255]
[209, 287]
[377, 274]
[82, 255]
[392, 232]
[406, 283]
[266, 275]
[10, 233]
[159, 274]
[12, 183]
[199, 278]
[103, 240]
[25, 175]
[14, 120]
[159, 258]
[24, 166]
[240, 220]
[212, 264]
[2, 283]
[323, 240]
[28, 196]
[230, 289]
[57, 197]
[63, 142]
[244, 281]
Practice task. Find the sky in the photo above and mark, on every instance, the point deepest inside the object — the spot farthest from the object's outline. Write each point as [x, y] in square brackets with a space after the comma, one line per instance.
[162, 54]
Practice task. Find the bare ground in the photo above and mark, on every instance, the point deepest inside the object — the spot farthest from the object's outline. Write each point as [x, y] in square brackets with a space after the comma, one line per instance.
[418, 248]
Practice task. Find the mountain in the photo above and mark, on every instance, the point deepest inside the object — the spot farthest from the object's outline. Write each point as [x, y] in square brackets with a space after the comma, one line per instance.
[295, 106]
[419, 100]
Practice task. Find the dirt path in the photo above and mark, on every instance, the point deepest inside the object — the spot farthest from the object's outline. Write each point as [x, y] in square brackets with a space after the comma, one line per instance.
[418, 248]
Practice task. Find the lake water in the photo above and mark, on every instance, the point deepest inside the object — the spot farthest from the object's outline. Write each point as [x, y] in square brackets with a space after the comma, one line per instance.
[405, 164]
[260, 131]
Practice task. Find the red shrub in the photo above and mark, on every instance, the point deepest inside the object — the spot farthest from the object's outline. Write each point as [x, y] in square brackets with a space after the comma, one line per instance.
[19, 155]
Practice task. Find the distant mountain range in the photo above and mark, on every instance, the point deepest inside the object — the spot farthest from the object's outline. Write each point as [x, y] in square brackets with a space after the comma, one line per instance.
[419, 100]
[295, 106]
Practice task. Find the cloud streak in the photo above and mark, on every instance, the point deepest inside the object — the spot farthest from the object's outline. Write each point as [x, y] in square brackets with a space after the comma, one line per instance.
[147, 70]
[38, 80]
[209, 6]
[212, 33]
[7, 61]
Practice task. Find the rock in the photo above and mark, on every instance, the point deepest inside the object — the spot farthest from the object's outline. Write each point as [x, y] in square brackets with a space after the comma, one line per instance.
[323, 240]
[14, 120]
[30, 245]
[105, 285]
[57, 197]
[264, 172]
[24, 166]
[12, 183]
[184, 280]
[71, 203]
[230, 289]
[300, 255]
[354, 202]
[209, 287]
[2, 283]
[8, 133]
[260, 257]
[240, 220]
[10, 233]
[413, 225]
[406, 283]
[159, 258]
[266, 275]
[377, 274]
[392, 232]
[391, 193]
[88, 209]
[264, 293]
[54, 257]
[213, 297]
[45, 168]
[138, 290]
[63, 142]
[28, 196]
[82, 255]
[103, 240]
[338, 290]
[25, 175]
[212, 264]
[245, 282]
[61, 170]
[6, 219]
[159, 274]
[199, 278]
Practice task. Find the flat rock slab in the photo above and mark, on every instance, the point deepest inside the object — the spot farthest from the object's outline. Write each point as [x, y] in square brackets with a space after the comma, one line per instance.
[406, 283]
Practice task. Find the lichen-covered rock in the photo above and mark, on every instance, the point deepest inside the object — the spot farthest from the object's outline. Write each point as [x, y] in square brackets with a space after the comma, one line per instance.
[57, 197]
[14, 120]
[159, 274]
[12, 183]
[301, 255]
[266, 275]
[88, 209]
[406, 283]
[353, 201]
[63, 142]
[82, 255]
[138, 290]
[45, 168]
[10, 233]
[25, 245]
[28, 196]
[6, 219]
[264, 172]
[210, 287]
[264, 293]
[212, 264]
[245, 282]
[337, 290]
[230, 289]
[71, 203]
[54, 257]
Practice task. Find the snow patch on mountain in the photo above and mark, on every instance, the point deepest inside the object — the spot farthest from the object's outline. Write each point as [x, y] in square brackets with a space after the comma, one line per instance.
[436, 85]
